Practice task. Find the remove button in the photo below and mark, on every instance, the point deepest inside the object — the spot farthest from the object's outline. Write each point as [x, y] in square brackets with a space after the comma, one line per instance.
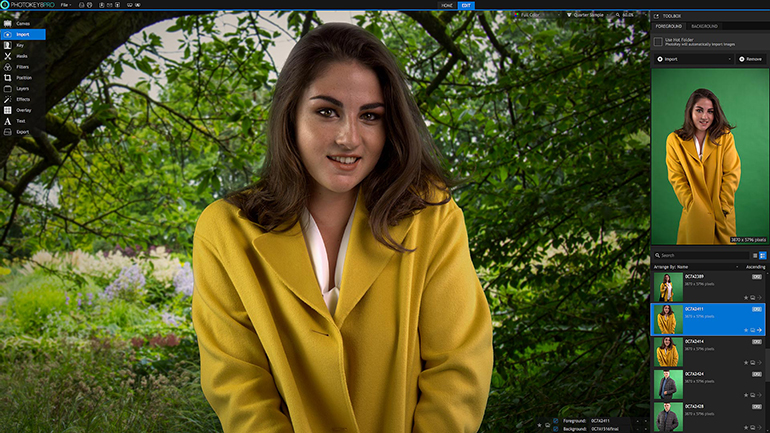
[752, 59]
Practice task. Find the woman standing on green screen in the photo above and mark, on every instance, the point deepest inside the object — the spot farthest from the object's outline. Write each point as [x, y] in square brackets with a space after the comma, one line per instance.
[666, 289]
[705, 170]
[666, 320]
[667, 353]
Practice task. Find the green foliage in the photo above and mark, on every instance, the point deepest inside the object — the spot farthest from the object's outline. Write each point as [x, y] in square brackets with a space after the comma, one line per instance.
[30, 308]
[58, 385]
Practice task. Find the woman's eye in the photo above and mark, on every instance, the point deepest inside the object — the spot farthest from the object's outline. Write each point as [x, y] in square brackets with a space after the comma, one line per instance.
[371, 117]
[326, 112]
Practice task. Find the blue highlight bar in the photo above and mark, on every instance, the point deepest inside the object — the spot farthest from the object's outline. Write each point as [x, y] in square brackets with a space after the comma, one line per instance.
[717, 319]
[466, 6]
[22, 34]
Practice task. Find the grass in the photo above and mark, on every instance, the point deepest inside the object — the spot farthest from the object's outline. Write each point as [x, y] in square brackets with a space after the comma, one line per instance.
[72, 360]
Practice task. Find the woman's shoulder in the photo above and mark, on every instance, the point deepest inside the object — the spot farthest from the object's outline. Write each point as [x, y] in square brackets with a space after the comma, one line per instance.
[220, 217]
[674, 138]
[440, 204]
[726, 138]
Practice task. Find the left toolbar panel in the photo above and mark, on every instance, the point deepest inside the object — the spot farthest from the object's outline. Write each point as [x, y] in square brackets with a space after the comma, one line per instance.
[23, 78]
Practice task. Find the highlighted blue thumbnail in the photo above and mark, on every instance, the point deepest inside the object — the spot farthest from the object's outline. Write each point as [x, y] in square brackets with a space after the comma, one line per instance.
[710, 319]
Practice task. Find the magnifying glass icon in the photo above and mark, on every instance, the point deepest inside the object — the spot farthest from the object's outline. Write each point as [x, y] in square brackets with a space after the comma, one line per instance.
[657, 255]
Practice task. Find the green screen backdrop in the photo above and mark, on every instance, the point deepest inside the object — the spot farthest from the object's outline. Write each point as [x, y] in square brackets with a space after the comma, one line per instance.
[745, 98]
[678, 342]
[678, 311]
[677, 284]
[677, 408]
[677, 375]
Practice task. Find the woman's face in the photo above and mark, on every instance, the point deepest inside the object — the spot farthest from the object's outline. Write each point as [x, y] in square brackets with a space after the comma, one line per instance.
[703, 114]
[340, 127]
[667, 341]
[666, 278]
[666, 309]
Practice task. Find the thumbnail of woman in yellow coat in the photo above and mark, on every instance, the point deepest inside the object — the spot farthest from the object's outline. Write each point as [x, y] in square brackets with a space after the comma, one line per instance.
[667, 354]
[666, 289]
[666, 320]
[337, 294]
[704, 169]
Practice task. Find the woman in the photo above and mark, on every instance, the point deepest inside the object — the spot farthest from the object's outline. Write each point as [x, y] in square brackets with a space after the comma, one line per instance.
[666, 320]
[705, 170]
[667, 354]
[666, 290]
[338, 293]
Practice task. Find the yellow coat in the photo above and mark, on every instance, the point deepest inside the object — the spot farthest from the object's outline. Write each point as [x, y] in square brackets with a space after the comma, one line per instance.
[668, 359]
[409, 347]
[664, 293]
[667, 324]
[705, 188]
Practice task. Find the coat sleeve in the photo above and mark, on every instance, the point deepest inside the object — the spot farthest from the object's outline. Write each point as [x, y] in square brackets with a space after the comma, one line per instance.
[235, 374]
[676, 357]
[455, 331]
[673, 385]
[731, 174]
[676, 173]
[661, 326]
[661, 360]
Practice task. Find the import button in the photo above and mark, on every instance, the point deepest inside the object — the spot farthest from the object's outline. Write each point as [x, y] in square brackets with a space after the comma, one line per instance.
[23, 35]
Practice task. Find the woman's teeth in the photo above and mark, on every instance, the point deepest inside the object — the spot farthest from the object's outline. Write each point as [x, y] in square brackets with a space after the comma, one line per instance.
[346, 160]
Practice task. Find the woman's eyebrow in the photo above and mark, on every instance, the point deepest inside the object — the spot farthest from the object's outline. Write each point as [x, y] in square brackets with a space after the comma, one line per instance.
[339, 103]
[328, 99]
[371, 106]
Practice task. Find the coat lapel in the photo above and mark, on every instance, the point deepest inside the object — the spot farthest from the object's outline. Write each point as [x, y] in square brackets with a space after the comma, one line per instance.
[286, 253]
[365, 260]
[708, 148]
[689, 147]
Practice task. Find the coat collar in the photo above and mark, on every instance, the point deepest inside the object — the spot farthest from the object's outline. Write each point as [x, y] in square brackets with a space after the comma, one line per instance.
[286, 253]
[708, 148]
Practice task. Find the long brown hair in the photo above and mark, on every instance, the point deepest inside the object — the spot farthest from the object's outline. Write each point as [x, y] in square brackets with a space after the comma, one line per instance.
[663, 310]
[663, 342]
[408, 173]
[718, 127]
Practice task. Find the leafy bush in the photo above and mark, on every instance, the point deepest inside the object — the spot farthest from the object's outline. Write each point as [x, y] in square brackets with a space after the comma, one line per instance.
[31, 307]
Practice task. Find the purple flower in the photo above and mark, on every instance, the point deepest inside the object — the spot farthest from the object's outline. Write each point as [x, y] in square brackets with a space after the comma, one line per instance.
[128, 285]
[171, 319]
[183, 280]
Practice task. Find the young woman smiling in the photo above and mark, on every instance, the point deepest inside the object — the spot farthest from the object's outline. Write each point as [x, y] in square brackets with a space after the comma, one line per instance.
[338, 293]
[704, 169]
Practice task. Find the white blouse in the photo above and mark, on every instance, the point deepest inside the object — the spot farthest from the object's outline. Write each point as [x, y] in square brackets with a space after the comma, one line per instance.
[698, 147]
[317, 250]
